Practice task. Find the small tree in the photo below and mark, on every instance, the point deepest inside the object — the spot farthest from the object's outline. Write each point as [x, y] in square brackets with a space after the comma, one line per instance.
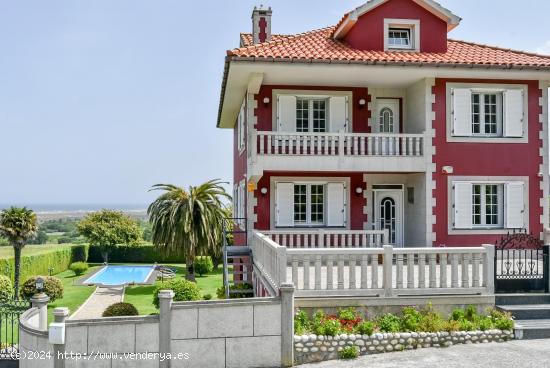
[18, 225]
[107, 229]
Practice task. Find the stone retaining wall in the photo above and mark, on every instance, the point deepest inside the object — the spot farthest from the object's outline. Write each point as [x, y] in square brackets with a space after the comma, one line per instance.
[313, 348]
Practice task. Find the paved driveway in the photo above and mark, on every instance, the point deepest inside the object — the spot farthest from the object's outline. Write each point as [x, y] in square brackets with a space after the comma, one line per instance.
[514, 354]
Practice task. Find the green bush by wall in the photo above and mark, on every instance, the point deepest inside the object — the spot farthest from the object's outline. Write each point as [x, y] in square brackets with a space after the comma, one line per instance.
[134, 254]
[58, 258]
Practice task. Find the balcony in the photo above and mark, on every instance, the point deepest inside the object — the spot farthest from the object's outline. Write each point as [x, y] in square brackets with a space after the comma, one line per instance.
[339, 152]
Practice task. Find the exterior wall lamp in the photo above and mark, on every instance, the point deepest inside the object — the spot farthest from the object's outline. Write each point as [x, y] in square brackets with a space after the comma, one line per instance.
[362, 103]
[266, 101]
[263, 191]
[359, 190]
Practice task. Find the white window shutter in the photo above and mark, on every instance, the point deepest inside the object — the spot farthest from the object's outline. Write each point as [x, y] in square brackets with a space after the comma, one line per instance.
[461, 114]
[338, 112]
[284, 204]
[286, 113]
[462, 205]
[513, 113]
[336, 205]
[515, 206]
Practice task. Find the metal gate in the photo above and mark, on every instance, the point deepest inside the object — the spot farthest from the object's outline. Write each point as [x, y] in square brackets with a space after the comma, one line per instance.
[521, 264]
[10, 311]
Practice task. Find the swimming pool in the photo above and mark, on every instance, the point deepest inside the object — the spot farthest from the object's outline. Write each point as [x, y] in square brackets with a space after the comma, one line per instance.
[120, 275]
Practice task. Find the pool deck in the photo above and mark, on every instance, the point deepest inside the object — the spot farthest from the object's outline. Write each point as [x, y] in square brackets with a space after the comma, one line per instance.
[102, 297]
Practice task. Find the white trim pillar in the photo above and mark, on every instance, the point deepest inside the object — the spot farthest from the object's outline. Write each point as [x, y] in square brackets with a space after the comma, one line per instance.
[287, 325]
[166, 298]
[40, 301]
[60, 315]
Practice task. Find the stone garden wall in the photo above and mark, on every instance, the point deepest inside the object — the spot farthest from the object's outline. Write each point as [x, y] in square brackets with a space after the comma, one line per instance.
[313, 348]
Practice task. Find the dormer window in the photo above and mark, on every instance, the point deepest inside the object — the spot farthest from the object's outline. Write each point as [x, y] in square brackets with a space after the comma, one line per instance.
[401, 35]
[399, 38]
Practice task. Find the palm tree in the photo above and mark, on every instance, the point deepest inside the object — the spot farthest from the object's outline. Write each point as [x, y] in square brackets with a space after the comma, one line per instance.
[18, 225]
[188, 222]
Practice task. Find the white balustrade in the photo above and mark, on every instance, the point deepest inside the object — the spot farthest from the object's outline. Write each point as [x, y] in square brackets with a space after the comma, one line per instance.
[329, 238]
[340, 270]
[334, 144]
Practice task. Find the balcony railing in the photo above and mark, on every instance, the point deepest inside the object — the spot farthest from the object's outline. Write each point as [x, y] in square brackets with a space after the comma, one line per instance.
[339, 144]
[326, 238]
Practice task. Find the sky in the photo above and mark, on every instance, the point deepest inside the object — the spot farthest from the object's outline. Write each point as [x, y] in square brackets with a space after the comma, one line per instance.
[101, 99]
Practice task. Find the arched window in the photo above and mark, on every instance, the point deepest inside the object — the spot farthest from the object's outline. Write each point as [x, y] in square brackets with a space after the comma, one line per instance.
[386, 120]
[388, 217]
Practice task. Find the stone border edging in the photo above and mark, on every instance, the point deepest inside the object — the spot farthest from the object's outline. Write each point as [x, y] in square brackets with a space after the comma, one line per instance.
[313, 348]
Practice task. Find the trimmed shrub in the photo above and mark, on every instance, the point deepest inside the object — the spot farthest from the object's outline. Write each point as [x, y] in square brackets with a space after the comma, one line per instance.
[79, 268]
[184, 291]
[6, 288]
[58, 257]
[220, 292]
[143, 253]
[389, 323]
[120, 309]
[207, 296]
[52, 287]
[349, 352]
[365, 328]
[203, 265]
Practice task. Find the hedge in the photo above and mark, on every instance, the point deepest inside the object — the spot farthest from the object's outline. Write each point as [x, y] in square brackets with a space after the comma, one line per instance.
[58, 258]
[134, 254]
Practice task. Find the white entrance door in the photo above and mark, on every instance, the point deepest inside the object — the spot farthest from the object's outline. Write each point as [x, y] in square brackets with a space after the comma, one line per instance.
[387, 116]
[388, 214]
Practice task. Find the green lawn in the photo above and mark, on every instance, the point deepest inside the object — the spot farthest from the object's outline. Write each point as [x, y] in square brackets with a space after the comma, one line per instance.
[142, 296]
[73, 295]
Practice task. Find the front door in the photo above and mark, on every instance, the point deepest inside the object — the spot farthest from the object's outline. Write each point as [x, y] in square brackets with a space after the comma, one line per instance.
[388, 213]
[387, 116]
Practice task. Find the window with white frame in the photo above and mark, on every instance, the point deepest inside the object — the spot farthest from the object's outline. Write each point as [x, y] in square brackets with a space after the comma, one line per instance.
[239, 210]
[487, 114]
[491, 112]
[311, 115]
[310, 204]
[489, 205]
[241, 128]
[399, 38]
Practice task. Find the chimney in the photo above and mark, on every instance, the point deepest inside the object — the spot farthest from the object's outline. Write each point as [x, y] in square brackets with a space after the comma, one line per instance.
[261, 25]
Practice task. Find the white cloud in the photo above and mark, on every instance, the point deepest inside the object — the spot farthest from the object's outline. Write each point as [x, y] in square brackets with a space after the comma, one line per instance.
[544, 49]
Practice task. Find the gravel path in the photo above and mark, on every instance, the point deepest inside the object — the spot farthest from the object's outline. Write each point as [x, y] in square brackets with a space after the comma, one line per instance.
[103, 297]
[518, 353]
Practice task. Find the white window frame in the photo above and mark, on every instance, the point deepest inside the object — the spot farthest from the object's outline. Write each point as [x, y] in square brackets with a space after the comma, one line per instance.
[486, 88]
[482, 112]
[241, 128]
[309, 222]
[485, 180]
[313, 181]
[315, 95]
[412, 25]
[310, 101]
[483, 205]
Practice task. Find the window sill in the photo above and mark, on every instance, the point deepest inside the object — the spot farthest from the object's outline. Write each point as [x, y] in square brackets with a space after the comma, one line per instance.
[480, 231]
[487, 139]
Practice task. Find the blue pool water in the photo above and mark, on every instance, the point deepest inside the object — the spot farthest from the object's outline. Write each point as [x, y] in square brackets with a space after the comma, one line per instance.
[119, 275]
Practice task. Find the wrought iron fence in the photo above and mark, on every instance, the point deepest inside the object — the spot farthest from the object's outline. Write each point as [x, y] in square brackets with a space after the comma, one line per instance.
[521, 263]
[10, 312]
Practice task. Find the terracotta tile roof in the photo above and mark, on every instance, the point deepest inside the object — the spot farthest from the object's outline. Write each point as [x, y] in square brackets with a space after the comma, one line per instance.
[318, 45]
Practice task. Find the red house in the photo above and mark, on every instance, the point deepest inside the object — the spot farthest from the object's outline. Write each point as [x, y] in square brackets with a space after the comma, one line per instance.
[383, 122]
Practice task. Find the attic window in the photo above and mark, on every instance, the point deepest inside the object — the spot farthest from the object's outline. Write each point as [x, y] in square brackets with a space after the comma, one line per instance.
[402, 34]
[399, 38]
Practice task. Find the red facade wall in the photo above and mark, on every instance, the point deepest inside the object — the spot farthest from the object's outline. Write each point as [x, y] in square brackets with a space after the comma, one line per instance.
[356, 203]
[360, 115]
[480, 159]
[368, 31]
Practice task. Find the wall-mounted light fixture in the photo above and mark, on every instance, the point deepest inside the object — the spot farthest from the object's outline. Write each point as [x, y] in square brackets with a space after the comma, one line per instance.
[263, 190]
[266, 101]
[448, 170]
[359, 190]
[362, 103]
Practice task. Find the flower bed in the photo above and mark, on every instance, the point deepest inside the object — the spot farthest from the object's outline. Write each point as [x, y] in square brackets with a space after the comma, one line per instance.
[348, 334]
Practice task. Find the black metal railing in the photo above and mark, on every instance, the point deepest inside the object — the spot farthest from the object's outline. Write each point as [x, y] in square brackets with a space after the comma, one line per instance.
[10, 312]
[521, 264]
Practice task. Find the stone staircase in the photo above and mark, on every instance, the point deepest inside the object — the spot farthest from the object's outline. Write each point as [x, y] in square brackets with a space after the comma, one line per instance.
[531, 313]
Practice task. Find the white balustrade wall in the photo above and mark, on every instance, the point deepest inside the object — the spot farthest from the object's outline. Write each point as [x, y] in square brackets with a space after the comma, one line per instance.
[333, 144]
[329, 238]
[382, 272]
